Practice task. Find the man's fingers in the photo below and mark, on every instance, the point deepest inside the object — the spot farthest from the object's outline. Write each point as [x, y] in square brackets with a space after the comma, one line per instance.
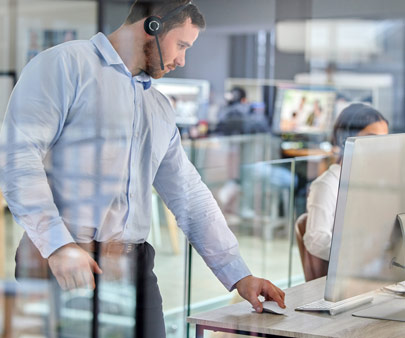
[70, 283]
[251, 287]
[82, 279]
[62, 282]
[94, 266]
[271, 292]
[279, 301]
[257, 305]
[88, 280]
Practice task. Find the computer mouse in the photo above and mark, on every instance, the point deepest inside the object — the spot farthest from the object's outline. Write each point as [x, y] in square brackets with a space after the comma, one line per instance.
[271, 306]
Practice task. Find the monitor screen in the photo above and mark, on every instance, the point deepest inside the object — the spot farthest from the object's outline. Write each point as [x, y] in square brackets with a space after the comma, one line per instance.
[367, 237]
[303, 109]
[189, 98]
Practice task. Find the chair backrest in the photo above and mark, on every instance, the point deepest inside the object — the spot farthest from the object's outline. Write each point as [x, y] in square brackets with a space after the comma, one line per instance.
[313, 266]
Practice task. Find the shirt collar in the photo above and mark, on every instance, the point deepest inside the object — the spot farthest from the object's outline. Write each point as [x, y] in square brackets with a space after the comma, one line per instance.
[144, 79]
[111, 57]
[106, 49]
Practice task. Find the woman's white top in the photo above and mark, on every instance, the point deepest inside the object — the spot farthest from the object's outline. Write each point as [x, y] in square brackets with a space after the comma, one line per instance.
[321, 205]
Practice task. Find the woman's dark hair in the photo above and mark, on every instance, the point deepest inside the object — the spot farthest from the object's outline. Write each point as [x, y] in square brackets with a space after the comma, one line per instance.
[352, 120]
[141, 9]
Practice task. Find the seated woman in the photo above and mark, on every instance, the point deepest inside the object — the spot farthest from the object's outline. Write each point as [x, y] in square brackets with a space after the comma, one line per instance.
[356, 120]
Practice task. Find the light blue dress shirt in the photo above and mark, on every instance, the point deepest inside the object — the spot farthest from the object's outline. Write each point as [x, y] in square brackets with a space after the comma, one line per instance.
[82, 143]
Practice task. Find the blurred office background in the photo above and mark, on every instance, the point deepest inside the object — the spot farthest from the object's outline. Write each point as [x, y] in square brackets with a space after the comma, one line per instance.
[299, 62]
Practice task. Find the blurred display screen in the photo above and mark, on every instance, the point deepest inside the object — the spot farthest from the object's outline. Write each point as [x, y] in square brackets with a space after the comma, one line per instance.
[189, 98]
[304, 110]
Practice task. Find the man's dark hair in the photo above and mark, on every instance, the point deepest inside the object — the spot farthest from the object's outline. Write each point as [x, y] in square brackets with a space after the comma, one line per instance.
[238, 94]
[141, 9]
[352, 120]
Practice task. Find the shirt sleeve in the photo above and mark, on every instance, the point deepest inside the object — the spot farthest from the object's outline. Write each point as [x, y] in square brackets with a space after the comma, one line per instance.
[321, 206]
[33, 122]
[198, 215]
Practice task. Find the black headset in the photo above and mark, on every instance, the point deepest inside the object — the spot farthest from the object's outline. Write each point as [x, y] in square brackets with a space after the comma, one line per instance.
[153, 25]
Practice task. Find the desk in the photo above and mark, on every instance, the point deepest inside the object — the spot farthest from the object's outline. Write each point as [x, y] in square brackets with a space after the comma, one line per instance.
[239, 318]
[305, 152]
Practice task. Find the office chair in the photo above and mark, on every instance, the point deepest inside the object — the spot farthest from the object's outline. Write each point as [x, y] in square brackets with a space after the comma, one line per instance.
[313, 266]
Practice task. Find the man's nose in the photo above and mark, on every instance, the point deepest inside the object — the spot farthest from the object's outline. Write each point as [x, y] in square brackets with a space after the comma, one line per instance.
[180, 60]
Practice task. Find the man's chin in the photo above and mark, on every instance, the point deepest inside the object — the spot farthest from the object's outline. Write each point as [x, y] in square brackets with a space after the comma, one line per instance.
[158, 76]
[156, 73]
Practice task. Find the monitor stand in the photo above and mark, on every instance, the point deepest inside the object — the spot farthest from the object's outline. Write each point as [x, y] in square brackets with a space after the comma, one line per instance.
[393, 309]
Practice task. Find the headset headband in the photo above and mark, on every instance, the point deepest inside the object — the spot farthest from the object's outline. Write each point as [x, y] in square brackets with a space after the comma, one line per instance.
[175, 11]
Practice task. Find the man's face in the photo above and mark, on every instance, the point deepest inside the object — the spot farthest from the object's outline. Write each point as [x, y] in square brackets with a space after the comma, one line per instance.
[173, 46]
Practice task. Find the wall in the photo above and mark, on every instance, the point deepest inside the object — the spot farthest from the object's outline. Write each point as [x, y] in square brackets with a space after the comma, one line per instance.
[359, 8]
[24, 16]
[5, 22]
[115, 15]
[237, 16]
[208, 59]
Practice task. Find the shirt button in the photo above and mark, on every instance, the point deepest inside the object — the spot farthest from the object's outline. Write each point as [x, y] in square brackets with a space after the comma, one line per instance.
[131, 195]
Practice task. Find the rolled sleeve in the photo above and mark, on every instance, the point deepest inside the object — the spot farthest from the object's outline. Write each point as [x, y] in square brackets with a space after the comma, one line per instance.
[198, 215]
[52, 239]
[232, 273]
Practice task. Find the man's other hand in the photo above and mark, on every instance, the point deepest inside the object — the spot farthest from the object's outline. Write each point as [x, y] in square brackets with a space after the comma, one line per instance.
[251, 287]
[73, 267]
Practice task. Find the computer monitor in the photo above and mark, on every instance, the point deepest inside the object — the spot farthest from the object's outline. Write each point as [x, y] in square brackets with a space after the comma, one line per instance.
[303, 109]
[189, 98]
[367, 249]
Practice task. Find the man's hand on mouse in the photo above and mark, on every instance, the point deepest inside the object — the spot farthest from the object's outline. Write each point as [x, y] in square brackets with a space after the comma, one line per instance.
[250, 288]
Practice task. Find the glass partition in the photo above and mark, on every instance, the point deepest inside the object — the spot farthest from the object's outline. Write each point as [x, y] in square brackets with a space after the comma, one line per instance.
[260, 215]
[267, 199]
[261, 90]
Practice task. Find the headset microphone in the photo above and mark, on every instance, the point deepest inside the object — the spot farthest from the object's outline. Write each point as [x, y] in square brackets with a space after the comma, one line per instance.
[153, 25]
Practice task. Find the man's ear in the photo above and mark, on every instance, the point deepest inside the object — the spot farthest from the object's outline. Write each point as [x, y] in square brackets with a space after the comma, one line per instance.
[145, 35]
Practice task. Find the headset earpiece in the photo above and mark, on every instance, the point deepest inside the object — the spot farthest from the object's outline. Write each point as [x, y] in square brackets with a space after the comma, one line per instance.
[153, 25]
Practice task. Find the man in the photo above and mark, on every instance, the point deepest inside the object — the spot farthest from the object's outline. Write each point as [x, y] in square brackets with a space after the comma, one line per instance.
[240, 117]
[84, 139]
[234, 117]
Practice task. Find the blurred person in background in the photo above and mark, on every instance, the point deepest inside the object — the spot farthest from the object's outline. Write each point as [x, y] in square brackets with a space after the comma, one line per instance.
[238, 116]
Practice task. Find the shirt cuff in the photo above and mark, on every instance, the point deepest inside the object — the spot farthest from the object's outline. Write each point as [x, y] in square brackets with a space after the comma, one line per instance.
[232, 273]
[52, 239]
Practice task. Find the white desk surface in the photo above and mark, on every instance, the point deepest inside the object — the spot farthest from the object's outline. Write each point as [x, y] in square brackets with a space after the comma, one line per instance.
[299, 324]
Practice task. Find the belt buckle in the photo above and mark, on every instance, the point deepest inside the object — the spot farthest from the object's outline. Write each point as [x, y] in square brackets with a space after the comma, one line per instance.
[129, 248]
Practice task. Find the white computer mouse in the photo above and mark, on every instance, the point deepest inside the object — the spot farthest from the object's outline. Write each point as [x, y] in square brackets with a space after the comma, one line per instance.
[272, 307]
